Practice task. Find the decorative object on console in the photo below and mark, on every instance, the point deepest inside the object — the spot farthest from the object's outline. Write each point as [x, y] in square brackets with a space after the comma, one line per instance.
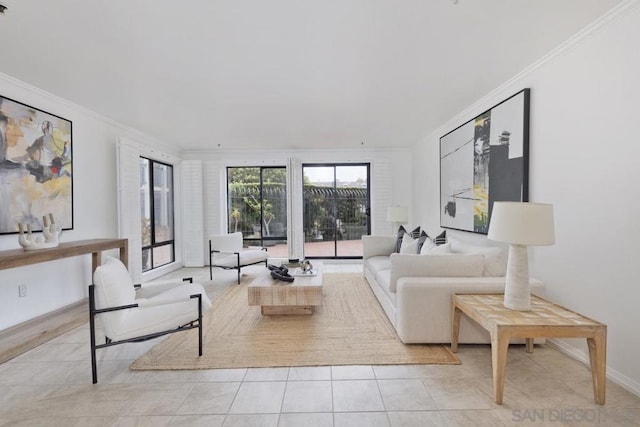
[50, 235]
[484, 161]
[35, 167]
[397, 215]
[520, 225]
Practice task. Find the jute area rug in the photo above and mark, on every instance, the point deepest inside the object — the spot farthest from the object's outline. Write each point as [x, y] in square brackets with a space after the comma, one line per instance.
[350, 328]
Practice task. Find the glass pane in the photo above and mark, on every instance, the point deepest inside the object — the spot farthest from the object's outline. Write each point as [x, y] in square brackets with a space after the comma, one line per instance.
[243, 192]
[257, 206]
[145, 202]
[163, 202]
[162, 255]
[274, 202]
[351, 207]
[319, 211]
[146, 259]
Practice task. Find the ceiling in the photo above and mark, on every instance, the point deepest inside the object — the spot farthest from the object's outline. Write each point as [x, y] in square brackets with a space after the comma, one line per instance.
[249, 74]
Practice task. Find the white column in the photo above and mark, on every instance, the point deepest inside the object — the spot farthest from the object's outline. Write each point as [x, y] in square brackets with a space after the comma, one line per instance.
[295, 232]
[129, 224]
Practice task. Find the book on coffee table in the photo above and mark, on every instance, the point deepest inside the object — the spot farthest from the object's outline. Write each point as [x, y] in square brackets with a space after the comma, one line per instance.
[297, 272]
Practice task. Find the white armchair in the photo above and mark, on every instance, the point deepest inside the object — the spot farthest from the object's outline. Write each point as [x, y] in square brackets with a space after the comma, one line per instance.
[226, 251]
[125, 318]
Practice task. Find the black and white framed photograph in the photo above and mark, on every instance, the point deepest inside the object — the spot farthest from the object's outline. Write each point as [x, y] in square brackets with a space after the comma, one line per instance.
[483, 161]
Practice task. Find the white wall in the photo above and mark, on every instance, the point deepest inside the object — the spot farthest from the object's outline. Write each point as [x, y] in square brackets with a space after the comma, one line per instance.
[56, 284]
[390, 178]
[584, 153]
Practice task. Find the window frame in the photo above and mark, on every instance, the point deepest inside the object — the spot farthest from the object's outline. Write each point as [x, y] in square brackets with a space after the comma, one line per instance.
[262, 239]
[155, 244]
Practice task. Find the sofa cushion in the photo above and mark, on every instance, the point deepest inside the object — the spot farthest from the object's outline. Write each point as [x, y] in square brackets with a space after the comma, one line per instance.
[384, 281]
[495, 258]
[454, 265]
[377, 263]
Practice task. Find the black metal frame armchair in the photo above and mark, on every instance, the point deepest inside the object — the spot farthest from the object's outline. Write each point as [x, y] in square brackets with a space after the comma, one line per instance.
[143, 318]
[226, 252]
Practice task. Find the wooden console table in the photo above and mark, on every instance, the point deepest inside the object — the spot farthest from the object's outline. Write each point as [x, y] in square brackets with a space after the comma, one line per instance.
[545, 320]
[30, 334]
[19, 257]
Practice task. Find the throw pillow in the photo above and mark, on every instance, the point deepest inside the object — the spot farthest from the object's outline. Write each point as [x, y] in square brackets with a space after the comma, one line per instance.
[409, 245]
[427, 245]
[440, 250]
[415, 233]
[423, 238]
[441, 238]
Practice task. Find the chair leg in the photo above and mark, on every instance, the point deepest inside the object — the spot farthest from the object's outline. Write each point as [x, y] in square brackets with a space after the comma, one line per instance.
[92, 333]
[199, 324]
[238, 264]
[210, 263]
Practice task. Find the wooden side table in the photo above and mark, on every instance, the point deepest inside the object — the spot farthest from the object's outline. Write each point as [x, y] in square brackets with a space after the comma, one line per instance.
[545, 320]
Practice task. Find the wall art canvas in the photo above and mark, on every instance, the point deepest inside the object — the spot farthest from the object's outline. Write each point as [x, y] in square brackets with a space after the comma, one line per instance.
[483, 161]
[36, 174]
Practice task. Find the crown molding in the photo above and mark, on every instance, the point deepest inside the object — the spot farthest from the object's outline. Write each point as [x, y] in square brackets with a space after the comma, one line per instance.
[131, 132]
[617, 12]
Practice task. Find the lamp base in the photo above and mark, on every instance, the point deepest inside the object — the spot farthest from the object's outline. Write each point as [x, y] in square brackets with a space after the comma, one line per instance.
[517, 291]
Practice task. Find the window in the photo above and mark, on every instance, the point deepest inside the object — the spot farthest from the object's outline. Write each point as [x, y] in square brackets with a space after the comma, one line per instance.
[336, 209]
[257, 206]
[156, 199]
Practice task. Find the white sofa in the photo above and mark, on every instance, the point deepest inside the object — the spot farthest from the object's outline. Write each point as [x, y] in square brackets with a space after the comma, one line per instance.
[415, 290]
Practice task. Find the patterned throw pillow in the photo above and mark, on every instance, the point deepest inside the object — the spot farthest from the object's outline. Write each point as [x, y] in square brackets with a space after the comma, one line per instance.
[440, 239]
[415, 233]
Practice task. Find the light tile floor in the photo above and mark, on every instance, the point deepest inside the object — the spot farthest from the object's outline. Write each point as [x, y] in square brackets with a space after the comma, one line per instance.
[51, 386]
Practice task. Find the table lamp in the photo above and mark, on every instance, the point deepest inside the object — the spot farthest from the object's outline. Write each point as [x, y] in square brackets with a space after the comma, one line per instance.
[397, 215]
[520, 225]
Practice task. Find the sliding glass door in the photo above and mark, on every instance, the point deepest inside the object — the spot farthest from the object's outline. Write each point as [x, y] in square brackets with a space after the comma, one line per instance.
[336, 209]
[257, 206]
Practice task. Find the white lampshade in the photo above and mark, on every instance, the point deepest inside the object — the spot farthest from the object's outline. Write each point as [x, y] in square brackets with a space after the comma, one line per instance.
[519, 223]
[397, 214]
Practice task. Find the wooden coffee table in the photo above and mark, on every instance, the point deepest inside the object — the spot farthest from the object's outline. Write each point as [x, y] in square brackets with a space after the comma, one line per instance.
[545, 320]
[278, 297]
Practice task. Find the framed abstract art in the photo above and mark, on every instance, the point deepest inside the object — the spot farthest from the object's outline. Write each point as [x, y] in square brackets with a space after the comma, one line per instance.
[36, 167]
[483, 161]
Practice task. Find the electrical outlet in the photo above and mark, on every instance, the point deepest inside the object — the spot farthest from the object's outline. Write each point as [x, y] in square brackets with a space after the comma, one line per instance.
[22, 290]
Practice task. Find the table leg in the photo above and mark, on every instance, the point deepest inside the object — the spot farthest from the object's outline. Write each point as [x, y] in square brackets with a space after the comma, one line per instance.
[124, 253]
[455, 328]
[96, 261]
[598, 358]
[499, 348]
[529, 344]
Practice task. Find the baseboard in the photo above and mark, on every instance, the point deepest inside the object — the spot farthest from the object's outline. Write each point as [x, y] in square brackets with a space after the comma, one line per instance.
[615, 376]
[28, 335]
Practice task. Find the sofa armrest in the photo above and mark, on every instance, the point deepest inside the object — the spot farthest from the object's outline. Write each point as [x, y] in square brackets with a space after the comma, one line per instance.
[378, 246]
